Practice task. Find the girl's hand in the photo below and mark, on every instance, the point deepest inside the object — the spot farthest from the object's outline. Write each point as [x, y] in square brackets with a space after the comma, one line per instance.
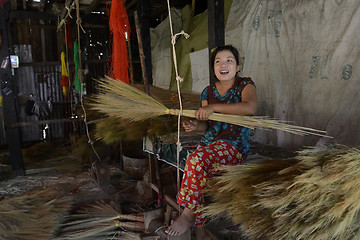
[190, 125]
[204, 112]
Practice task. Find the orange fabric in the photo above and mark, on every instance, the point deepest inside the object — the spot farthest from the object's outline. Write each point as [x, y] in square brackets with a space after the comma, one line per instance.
[119, 26]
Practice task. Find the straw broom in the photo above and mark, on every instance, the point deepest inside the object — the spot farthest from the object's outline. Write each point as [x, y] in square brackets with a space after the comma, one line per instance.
[313, 196]
[33, 216]
[112, 130]
[99, 219]
[120, 100]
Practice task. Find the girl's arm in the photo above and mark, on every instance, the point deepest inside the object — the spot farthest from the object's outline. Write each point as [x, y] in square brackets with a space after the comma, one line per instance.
[246, 107]
[196, 125]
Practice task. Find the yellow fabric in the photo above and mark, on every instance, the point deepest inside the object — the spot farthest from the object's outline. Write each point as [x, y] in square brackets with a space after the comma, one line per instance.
[197, 28]
[63, 65]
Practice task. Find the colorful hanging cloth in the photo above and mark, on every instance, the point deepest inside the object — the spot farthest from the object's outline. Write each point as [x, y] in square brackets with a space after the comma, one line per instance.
[120, 29]
[64, 76]
[67, 39]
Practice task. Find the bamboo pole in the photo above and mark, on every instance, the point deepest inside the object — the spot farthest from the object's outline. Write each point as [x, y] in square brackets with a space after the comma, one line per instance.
[141, 52]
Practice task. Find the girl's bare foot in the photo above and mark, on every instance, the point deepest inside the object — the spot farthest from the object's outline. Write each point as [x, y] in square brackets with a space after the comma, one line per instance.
[183, 223]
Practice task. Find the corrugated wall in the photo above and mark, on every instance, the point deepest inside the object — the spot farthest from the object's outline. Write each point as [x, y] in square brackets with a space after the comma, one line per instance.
[38, 79]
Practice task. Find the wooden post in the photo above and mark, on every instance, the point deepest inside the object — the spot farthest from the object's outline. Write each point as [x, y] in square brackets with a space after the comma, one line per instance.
[10, 104]
[143, 15]
[141, 53]
[216, 29]
[157, 176]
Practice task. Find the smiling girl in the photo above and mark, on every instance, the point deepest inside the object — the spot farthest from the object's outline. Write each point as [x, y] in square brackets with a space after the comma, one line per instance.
[222, 143]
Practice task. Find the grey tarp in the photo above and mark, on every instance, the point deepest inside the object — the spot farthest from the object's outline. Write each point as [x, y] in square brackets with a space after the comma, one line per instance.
[303, 57]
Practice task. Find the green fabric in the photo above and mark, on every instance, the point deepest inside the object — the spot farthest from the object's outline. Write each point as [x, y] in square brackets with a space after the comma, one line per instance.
[77, 82]
[197, 28]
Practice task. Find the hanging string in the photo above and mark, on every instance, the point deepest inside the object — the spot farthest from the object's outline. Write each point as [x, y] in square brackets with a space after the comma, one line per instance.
[178, 80]
[80, 74]
[67, 42]
[68, 14]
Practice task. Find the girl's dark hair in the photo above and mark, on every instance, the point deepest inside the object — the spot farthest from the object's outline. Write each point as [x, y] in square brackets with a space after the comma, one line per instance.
[214, 51]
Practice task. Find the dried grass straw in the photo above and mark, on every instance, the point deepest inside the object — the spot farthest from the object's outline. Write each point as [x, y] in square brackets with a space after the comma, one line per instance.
[315, 196]
[33, 216]
[99, 221]
[121, 100]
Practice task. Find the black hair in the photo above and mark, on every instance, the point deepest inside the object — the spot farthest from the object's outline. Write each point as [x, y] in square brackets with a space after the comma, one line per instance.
[214, 51]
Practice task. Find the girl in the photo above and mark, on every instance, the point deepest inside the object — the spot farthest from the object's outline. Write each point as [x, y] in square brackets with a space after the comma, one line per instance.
[222, 143]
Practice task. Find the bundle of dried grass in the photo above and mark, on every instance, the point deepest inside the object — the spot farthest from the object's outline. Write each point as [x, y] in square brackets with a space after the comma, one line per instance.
[111, 130]
[99, 221]
[314, 196]
[83, 150]
[120, 100]
[33, 216]
[170, 99]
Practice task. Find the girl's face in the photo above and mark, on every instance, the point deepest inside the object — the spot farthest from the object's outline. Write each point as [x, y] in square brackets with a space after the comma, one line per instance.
[225, 66]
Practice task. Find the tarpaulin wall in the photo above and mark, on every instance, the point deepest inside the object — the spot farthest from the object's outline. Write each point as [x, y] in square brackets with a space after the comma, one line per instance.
[303, 57]
[161, 52]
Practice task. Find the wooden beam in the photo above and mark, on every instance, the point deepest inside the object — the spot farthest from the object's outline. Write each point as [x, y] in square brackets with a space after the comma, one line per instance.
[171, 201]
[216, 28]
[92, 6]
[62, 120]
[10, 100]
[20, 14]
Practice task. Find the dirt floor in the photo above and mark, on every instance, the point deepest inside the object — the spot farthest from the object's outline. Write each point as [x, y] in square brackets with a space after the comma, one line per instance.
[64, 197]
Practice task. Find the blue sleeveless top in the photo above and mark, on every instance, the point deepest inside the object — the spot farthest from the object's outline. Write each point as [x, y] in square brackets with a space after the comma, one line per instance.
[236, 135]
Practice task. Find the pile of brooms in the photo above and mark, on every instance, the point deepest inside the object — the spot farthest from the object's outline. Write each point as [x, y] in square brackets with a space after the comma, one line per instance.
[55, 213]
[315, 196]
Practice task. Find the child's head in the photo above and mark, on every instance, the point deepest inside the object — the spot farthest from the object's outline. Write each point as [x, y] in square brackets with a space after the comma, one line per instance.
[216, 50]
[222, 48]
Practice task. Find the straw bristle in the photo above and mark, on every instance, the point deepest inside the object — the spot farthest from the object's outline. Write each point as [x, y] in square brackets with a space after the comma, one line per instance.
[120, 100]
[34, 216]
[314, 196]
[98, 220]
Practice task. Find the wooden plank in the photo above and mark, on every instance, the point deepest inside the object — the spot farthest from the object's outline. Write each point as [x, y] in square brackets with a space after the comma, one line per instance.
[216, 29]
[171, 201]
[21, 14]
[23, 124]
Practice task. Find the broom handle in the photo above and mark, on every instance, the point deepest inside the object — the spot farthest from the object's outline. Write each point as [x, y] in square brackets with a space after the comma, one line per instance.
[253, 122]
[131, 225]
[131, 217]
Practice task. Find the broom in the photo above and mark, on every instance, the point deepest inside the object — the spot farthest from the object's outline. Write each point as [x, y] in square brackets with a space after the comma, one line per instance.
[33, 216]
[121, 100]
[95, 220]
[315, 196]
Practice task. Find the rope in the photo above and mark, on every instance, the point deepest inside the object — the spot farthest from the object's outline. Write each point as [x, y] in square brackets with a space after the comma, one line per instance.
[178, 80]
[68, 14]
[78, 23]
[67, 66]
